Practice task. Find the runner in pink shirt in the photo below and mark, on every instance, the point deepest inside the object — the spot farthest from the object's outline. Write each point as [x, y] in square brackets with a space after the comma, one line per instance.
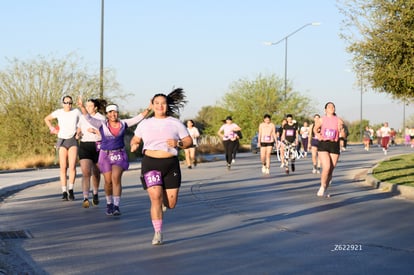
[327, 129]
[228, 134]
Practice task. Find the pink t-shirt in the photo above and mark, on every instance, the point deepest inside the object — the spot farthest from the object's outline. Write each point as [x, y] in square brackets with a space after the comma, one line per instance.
[228, 130]
[156, 131]
[329, 129]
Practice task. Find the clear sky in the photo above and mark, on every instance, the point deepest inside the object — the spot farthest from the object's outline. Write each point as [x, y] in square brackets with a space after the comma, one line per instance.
[202, 46]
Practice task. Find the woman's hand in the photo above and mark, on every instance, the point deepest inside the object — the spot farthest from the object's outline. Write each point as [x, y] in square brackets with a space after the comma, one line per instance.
[134, 147]
[172, 143]
[80, 102]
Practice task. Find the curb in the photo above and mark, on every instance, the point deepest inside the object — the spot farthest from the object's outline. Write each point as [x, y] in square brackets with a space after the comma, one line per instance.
[7, 191]
[394, 189]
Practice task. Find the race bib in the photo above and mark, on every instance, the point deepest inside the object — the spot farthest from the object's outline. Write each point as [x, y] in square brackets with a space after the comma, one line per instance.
[115, 157]
[329, 134]
[290, 132]
[267, 138]
[153, 178]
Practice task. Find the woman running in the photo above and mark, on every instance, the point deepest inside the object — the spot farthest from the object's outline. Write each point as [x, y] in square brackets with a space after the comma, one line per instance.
[313, 146]
[113, 159]
[228, 133]
[266, 138]
[328, 129]
[162, 135]
[89, 146]
[67, 144]
[190, 153]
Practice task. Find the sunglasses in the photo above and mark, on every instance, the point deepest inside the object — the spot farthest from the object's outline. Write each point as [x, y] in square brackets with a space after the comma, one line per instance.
[70, 103]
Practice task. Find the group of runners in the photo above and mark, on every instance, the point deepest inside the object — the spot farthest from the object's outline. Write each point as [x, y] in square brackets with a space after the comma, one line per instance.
[98, 141]
[323, 139]
[102, 151]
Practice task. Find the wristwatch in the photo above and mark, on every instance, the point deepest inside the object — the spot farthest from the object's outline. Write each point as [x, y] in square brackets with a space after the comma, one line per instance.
[180, 143]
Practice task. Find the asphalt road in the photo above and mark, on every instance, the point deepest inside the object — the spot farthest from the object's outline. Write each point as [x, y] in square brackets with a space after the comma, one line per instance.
[226, 222]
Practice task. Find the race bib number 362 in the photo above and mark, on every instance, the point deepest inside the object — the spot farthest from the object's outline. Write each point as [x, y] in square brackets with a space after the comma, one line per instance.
[153, 178]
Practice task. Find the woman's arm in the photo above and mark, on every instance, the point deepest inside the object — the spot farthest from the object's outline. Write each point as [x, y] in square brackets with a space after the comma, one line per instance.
[135, 141]
[317, 129]
[274, 132]
[185, 143]
[196, 133]
[48, 120]
[341, 128]
[134, 121]
[259, 135]
[219, 132]
[137, 119]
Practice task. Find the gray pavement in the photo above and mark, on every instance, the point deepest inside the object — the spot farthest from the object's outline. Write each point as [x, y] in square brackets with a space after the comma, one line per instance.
[226, 222]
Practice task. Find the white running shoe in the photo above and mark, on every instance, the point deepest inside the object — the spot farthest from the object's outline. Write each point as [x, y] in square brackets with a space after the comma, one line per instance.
[267, 171]
[282, 165]
[263, 169]
[157, 240]
[313, 171]
[321, 192]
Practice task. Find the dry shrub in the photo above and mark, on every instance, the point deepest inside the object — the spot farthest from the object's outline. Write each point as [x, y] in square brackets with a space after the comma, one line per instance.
[210, 149]
[37, 161]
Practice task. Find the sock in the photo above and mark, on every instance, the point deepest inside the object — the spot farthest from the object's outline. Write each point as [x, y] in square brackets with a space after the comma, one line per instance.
[117, 199]
[108, 199]
[85, 195]
[157, 224]
[64, 189]
[71, 186]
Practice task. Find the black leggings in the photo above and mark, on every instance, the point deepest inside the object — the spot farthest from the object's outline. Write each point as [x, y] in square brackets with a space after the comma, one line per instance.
[228, 149]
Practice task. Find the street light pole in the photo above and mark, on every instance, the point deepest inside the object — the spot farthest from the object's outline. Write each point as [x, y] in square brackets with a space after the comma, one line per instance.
[286, 48]
[101, 86]
[403, 128]
[360, 112]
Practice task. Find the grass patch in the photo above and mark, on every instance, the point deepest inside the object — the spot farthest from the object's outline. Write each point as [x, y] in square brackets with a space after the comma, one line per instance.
[38, 161]
[397, 170]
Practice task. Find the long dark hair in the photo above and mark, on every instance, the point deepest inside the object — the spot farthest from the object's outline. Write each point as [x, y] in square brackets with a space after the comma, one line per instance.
[175, 101]
[100, 104]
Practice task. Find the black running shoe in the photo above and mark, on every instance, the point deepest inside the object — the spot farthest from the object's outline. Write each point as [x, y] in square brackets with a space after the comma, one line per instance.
[109, 209]
[71, 195]
[116, 211]
[65, 196]
[293, 167]
[95, 200]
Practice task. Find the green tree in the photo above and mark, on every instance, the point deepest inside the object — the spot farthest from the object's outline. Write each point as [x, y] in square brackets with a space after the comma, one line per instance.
[356, 130]
[30, 90]
[210, 119]
[381, 38]
[248, 100]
